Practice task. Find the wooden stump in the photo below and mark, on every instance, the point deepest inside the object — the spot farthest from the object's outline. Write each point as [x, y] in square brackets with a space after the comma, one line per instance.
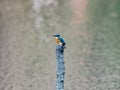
[60, 67]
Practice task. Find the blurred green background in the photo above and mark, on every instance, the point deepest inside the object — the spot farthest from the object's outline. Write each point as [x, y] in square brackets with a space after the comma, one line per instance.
[27, 48]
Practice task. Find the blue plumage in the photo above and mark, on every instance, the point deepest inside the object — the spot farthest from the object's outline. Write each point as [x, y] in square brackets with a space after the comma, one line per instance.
[60, 39]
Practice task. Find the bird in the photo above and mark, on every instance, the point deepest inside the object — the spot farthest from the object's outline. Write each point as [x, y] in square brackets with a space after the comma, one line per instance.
[59, 40]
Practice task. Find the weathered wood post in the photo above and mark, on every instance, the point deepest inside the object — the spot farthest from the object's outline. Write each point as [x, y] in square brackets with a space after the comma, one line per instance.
[60, 62]
[60, 67]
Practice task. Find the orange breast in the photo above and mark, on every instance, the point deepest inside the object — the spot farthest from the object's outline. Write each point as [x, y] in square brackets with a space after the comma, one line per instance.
[57, 40]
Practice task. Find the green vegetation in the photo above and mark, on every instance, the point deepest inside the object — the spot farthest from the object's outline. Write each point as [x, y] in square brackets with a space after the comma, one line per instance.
[105, 49]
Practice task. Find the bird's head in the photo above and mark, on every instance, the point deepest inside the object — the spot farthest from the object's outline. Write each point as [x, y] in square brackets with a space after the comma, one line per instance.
[57, 38]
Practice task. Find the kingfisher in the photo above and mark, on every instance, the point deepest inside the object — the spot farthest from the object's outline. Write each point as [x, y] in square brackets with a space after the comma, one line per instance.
[59, 40]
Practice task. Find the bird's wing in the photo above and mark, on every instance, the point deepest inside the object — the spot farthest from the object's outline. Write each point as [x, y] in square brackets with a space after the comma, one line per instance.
[61, 40]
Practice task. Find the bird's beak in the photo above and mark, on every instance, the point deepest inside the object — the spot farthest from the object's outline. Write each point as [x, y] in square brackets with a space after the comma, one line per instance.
[53, 35]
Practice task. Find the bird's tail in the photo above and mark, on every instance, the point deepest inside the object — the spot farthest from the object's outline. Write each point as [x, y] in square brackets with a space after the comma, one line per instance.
[64, 45]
